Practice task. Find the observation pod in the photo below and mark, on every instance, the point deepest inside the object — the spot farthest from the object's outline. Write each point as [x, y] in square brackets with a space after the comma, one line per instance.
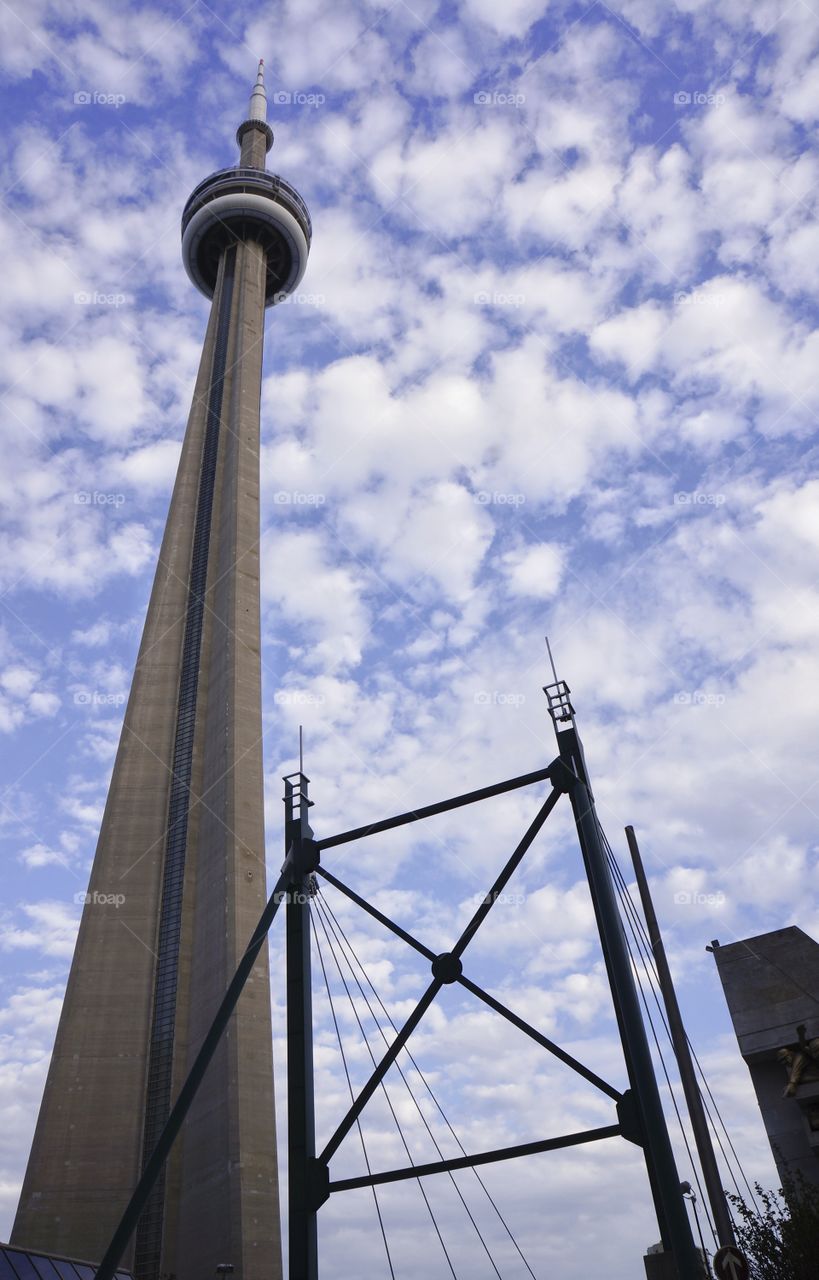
[246, 204]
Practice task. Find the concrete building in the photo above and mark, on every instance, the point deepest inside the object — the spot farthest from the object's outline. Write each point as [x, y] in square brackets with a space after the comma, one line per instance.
[771, 984]
[178, 880]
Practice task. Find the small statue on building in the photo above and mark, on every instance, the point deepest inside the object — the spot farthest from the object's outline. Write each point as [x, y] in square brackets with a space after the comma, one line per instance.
[801, 1061]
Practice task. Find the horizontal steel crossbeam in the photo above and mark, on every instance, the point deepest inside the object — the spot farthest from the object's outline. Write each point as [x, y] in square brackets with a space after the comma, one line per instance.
[430, 810]
[483, 1157]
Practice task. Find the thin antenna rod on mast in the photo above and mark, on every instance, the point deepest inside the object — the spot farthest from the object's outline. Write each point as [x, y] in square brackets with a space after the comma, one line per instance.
[301, 749]
[551, 659]
[557, 695]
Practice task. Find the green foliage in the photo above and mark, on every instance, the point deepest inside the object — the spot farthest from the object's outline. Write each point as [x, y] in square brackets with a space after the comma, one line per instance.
[781, 1241]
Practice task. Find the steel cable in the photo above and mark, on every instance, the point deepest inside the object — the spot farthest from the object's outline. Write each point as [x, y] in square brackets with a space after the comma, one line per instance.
[337, 926]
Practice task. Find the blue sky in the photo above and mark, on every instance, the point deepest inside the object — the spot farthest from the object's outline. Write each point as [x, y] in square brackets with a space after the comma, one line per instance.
[552, 368]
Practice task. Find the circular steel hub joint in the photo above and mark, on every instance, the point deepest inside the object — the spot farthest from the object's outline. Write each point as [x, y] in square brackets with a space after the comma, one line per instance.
[447, 968]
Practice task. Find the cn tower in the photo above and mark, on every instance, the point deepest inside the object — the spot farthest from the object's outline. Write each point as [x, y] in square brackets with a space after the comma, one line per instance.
[178, 880]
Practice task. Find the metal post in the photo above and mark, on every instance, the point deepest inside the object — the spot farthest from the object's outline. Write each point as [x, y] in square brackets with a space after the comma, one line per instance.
[301, 860]
[693, 1098]
[659, 1156]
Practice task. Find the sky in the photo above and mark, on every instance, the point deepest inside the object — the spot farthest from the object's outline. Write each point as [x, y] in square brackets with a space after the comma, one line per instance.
[551, 370]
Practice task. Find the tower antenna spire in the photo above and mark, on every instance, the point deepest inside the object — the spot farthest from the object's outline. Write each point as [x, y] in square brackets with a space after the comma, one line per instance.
[254, 135]
[258, 97]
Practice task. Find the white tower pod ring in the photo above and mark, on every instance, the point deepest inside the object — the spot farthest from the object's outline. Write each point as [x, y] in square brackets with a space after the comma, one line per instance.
[228, 208]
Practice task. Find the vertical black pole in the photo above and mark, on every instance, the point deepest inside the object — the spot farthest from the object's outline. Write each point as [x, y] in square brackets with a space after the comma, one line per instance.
[693, 1098]
[659, 1156]
[301, 1131]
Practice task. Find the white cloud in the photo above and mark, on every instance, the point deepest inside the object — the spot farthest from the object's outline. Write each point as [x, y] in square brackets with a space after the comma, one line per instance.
[631, 336]
[534, 571]
[39, 855]
[48, 926]
[513, 19]
[440, 189]
[98, 634]
[21, 700]
[442, 64]
[44, 704]
[18, 680]
[151, 467]
[315, 594]
[442, 537]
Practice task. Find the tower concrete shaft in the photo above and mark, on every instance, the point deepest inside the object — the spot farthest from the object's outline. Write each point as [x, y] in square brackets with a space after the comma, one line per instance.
[178, 880]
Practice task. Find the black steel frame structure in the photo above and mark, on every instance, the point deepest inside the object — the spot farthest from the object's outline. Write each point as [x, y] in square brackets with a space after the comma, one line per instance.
[638, 1115]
